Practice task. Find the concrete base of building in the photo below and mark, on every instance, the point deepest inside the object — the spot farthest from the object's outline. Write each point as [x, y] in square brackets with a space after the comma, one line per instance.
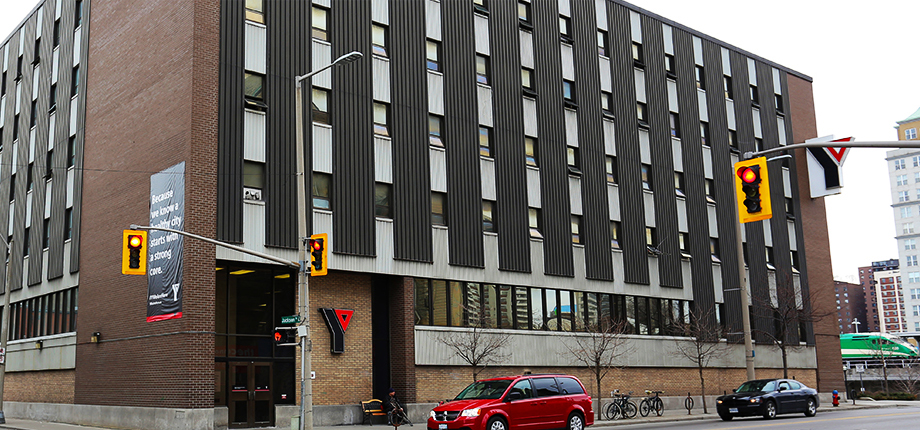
[122, 417]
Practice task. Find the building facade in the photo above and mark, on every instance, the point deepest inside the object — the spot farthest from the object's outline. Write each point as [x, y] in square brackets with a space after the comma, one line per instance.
[904, 177]
[867, 281]
[536, 168]
[851, 306]
[890, 295]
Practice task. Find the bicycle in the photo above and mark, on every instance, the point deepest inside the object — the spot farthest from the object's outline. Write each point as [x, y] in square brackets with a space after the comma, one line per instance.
[651, 403]
[621, 406]
[398, 417]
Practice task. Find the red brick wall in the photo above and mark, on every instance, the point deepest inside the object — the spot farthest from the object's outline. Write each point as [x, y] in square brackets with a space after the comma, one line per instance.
[50, 386]
[815, 237]
[402, 339]
[152, 85]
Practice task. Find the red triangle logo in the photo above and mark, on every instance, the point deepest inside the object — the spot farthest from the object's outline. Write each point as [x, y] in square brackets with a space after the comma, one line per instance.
[344, 316]
[838, 153]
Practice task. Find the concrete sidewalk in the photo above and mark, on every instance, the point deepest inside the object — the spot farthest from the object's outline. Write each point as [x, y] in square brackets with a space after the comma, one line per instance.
[669, 416]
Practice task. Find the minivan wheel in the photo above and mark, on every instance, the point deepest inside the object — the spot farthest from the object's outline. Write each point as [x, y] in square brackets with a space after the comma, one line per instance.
[811, 409]
[576, 422]
[769, 410]
[496, 423]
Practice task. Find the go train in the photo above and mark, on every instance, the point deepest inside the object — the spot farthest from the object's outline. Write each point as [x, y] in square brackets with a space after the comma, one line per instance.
[874, 345]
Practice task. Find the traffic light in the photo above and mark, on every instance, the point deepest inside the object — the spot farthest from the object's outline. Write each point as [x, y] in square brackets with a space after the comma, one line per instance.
[319, 243]
[134, 252]
[752, 186]
[285, 336]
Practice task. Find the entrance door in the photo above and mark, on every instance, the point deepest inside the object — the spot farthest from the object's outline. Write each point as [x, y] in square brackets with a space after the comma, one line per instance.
[250, 401]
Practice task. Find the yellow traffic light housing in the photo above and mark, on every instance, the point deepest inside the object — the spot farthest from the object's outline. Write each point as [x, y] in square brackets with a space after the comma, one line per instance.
[752, 187]
[134, 252]
[319, 244]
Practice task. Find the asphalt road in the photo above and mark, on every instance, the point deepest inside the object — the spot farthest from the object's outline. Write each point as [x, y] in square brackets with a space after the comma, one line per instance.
[861, 419]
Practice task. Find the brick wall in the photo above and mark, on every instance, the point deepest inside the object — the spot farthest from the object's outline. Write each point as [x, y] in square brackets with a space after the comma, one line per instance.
[815, 237]
[152, 85]
[439, 383]
[53, 386]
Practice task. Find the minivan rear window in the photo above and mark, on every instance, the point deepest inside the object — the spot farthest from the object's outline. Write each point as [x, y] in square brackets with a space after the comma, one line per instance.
[569, 386]
[545, 387]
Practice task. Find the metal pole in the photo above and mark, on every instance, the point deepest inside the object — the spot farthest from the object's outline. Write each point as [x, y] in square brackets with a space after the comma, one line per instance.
[745, 305]
[5, 329]
[306, 364]
[850, 144]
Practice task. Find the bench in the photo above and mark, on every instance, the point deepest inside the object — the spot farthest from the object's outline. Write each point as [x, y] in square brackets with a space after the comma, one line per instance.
[372, 408]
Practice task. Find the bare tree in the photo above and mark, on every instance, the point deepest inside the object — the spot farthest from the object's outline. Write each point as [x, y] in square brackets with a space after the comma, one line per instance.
[478, 346]
[909, 381]
[789, 307]
[600, 350]
[705, 343]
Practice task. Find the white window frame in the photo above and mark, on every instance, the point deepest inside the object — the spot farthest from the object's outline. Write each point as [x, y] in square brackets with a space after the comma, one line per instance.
[910, 133]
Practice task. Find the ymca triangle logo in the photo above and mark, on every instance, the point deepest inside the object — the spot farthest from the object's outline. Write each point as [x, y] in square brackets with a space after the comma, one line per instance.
[344, 316]
[838, 154]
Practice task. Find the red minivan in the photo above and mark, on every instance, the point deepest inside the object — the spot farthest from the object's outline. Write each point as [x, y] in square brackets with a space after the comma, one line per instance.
[526, 402]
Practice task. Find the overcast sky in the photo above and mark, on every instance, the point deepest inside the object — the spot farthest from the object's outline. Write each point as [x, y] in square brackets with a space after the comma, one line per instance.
[864, 65]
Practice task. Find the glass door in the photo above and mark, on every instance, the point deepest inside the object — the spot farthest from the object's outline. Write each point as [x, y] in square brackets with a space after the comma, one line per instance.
[250, 397]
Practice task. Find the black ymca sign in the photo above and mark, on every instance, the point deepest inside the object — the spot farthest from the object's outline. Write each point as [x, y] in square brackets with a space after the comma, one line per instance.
[337, 322]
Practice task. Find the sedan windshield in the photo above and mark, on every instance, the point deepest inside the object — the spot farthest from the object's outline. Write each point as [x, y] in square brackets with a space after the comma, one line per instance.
[484, 390]
[756, 386]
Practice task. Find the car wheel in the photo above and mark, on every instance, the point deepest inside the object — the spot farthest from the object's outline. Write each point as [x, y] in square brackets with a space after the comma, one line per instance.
[496, 423]
[769, 410]
[575, 422]
[725, 417]
[811, 409]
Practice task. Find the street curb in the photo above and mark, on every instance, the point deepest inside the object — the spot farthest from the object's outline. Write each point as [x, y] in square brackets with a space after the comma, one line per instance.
[713, 415]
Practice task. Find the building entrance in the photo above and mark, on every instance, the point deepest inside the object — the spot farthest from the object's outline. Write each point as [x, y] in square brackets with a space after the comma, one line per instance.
[250, 399]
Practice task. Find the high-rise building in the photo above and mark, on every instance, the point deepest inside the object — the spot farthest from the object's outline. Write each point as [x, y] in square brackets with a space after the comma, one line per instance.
[533, 169]
[904, 177]
[890, 295]
[851, 306]
[867, 282]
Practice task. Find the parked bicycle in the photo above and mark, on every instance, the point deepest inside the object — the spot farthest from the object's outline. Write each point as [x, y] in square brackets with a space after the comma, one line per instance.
[621, 406]
[651, 403]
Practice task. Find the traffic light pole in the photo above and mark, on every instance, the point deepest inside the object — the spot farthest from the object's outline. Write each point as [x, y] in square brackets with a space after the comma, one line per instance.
[5, 329]
[745, 304]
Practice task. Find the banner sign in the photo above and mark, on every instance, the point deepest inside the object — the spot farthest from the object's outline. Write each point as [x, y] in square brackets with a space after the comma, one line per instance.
[164, 252]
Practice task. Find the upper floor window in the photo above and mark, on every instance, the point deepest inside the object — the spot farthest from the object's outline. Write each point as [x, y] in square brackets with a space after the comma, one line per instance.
[438, 208]
[642, 114]
[255, 11]
[638, 56]
[727, 86]
[481, 6]
[611, 169]
[381, 119]
[615, 234]
[482, 69]
[320, 104]
[573, 160]
[322, 191]
[714, 249]
[253, 86]
[733, 139]
[435, 125]
[647, 177]
[57, 32]
[602, 43]
[607, 103]
[683, 242]
[524, 14]
[679, 184]
[535, 222]
[576, 229]
[382, 193]
[910, 133]
[899, 164]
[755, 96]
[674, 119]
[700, 77]
[433, 55]
[778, 103]
[670, 66]
[530, 151]
[568, 92]
[485, 141]
[527, 82]
[704, 133]
[75, 81]
[488, 216]
[78, 14]
[254, 177]
[902, 180]
[320, 24]
[565, 28]
[379, 40]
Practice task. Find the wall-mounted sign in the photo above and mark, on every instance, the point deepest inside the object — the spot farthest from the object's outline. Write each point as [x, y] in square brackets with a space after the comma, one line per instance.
[337, 321]
[164, 253]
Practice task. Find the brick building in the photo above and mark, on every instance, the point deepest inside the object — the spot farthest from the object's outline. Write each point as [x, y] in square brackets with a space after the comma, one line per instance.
[867, 282]
[534, 166]
[851, 306]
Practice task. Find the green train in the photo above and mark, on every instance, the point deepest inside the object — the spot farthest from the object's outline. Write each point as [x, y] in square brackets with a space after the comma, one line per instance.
[873, 345]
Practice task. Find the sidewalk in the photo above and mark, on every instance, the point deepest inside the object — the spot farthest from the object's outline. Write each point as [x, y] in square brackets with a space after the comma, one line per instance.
[669, 416]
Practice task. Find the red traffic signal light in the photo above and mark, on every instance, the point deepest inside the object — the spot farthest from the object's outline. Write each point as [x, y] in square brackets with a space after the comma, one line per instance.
[749, 174]
[752, 188]
[318, 251]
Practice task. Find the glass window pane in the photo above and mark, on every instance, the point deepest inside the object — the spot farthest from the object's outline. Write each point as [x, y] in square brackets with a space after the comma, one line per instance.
[506, 306]
[630, 304]
[642, 314]
[322, 191]
[591, 309]
[530, 149]
[473, 305]
[521, 308]
[252, 85]
[488, 224]
[319, 23]
[433, 56]
[253, 174]
[438, 302]
[537, 311]
[485, 146]
[320, 104]
[382, 201]
[579, 315]
[438, 209]
[456, 302]
[490, 306]
[552, 310]
[379, 40]
[434, 130]
[566, 311]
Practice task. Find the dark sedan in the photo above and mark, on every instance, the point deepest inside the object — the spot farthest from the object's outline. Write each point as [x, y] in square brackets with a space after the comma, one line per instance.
[768, 398]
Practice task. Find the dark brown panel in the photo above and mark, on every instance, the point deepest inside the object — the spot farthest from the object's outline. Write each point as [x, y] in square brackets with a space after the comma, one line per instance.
[230, 132]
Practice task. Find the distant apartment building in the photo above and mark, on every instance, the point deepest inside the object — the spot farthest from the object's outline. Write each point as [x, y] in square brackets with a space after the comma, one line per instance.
[867, 281]
[904, 177]
[851, 306]
[890, 296]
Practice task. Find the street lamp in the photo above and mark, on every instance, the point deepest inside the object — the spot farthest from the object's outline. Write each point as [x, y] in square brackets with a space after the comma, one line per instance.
[5, 328]
[306, 384]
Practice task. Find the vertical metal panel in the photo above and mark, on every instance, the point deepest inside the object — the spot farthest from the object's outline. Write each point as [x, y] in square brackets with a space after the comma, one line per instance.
[487, 167]
[461, 120]
[723, 179]
[436, 93]
[61, 197]
[694, 171]
[381, 78]
[78, 134]
[510, 171]
[554, 175]
[632, 211]
[481, 34]
[383, 160]
[352, 124]
[322, 149]
[595, 221]
[433, 19]
[255, 46]
[669, 270]
[533, 189]
[230, 124]
[411, 186]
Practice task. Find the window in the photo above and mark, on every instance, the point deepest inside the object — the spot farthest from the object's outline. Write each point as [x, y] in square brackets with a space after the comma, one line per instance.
[46, 236]
[670, 66]
[488, 216]
[482, 69]
[679, 184]
[253, 84]
[778, 103]
[254, 176]
[535, 222]
[435, 125]
[320, 25]
[379, 40]
[758, 144]
[75, 81]
[433, 55]
[651, 241]
[565, 28]
[602, 43]
[908, 228]
[78, 14]
[790, 208]
[36, 58]
[647, 177]
[902, 180]
[485, 141]
[322, 191]
[615, 234]
[903, 196]
[382, 208]
[33, 118]
[638, 58]
[438, 208]
[15, 128]
[57, 33]
[481, 6]
[733, 139]
[607, 103]
[714, 249]
[52, 98]
[71, 151]
[576, 229]
[527, 82]
[916, 310]
[381, 122]
[530, 150]
[704, 133]
[727, 86]
[906, 212]
[320, 104]
[755, 96]
[770, 260]
[68, 223]
[700, 77]
[683, 242]
[710, 191]
[641, 110]
[911, 260]
[524, 14]
[568, 93]
[915, 294]
[910, 133]
[912, 277]
[899, 164]
[675, 124]
[255, 11]
[612, 176]
[917, 177]
[573, 160]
